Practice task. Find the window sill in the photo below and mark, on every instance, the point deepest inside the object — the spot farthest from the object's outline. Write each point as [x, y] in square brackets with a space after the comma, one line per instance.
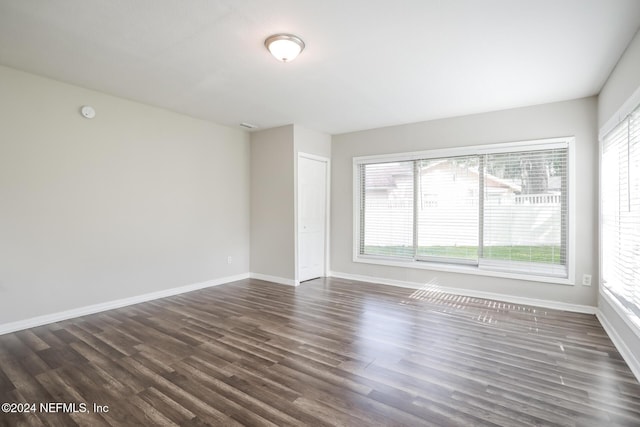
[460, 268]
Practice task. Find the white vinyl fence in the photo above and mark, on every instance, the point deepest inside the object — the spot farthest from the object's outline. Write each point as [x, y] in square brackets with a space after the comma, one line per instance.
[528, 220]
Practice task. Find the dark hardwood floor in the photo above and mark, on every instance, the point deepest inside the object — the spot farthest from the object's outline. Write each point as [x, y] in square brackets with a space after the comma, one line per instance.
[330, 352]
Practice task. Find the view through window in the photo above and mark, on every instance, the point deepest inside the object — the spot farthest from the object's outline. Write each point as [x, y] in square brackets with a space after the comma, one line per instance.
[505, 209]
[620, 207]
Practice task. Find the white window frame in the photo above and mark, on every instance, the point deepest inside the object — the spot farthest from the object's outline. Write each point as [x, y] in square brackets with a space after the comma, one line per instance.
[628, 316]
[487, 269]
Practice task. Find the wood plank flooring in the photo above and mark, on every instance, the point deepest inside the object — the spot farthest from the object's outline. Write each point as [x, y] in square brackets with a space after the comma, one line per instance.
[330, 352]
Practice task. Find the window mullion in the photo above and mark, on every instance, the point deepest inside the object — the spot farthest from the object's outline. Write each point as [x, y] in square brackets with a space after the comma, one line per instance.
[481, 166]
[629, 164]
[417, 192]
[362, 174]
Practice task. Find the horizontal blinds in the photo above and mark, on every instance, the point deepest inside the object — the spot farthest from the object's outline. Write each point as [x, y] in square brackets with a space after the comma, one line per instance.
[621, 212]
[502, 210]
[632, 280]
[386, 209]
[448, 208]
[613, 195]
[525, 211]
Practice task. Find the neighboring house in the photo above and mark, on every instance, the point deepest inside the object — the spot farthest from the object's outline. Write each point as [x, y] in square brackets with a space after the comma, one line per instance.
[446, 180]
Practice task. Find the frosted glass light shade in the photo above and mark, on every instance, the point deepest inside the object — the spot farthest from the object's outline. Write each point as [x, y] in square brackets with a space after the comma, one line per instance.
[284, 47]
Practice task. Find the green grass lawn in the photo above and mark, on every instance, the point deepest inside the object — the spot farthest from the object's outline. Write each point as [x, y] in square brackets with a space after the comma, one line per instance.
[544, 254]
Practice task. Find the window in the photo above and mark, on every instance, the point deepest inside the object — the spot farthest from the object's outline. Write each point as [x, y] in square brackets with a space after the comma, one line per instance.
[620, 213]
[447, 221]
[387, 216]
[498, 208]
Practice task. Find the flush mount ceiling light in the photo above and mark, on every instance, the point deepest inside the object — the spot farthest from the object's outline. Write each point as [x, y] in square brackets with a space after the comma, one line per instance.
[284, 47]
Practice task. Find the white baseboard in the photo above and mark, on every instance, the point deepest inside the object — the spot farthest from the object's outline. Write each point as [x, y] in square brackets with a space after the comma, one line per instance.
[110, 305]
[621, 346]
[556, 305]
[274, 279]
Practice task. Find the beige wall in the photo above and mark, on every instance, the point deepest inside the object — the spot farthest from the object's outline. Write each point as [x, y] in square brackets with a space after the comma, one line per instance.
[274, 163]
[272, 203]
[137, 200]
[622, 83]
[572, 118]
[311, 142]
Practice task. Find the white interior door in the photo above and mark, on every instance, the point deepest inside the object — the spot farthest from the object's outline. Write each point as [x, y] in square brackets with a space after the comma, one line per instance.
[312, 217]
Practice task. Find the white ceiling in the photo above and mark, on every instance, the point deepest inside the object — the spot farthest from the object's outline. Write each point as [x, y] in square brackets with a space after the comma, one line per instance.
[367, 64]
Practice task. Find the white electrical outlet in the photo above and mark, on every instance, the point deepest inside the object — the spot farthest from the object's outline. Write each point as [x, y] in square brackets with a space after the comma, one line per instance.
[586, 280]
[229, 260]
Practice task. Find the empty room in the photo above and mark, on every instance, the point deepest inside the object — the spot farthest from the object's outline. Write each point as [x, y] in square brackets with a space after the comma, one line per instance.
[322, 213]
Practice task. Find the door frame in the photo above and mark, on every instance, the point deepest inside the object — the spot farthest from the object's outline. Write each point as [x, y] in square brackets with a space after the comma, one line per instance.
[327, 222]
